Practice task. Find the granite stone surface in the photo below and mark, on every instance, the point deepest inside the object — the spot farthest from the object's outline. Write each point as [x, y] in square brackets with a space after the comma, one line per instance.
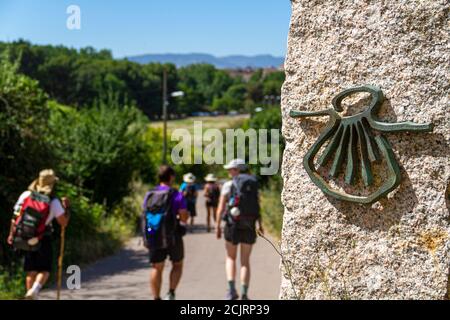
[398, 247]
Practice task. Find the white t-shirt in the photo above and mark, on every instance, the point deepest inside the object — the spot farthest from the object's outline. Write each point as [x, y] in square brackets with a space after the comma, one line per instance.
[226, 188]
[56, 208]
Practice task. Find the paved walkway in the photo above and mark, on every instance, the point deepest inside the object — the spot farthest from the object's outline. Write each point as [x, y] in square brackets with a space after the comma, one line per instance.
[125, 275]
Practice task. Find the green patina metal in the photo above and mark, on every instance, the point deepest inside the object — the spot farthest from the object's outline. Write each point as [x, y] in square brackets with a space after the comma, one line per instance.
[351, 139]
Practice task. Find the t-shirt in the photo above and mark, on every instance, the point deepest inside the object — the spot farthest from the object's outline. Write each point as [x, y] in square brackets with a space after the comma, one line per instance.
[178, 200]
[56, 208]
[194, 188]
[226, 189]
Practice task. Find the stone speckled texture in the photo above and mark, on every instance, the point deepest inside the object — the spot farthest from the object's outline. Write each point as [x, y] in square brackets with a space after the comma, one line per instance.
[399, 247]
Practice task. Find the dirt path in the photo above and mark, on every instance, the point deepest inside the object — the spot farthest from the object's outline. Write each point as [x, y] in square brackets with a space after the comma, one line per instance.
[125, 275]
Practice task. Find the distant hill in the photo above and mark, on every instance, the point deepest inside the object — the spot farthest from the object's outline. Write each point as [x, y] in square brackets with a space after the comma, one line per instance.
[227, 62]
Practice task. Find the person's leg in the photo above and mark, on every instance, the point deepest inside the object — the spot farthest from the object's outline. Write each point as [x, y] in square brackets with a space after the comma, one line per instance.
[175, 275]
[156, 272]
[214, 210]
[42, 278]
[191, 209]
[34, 287]
[246, 250]
[176, 254]
[230, 269]
[38, 265]
[30, 279]
[208, 218]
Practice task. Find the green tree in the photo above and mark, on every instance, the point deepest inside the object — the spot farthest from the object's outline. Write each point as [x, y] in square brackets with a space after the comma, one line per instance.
[23, 147]
[99, 148]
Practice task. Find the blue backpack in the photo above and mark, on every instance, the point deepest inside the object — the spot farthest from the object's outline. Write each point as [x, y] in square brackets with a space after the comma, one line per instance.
[158, 221]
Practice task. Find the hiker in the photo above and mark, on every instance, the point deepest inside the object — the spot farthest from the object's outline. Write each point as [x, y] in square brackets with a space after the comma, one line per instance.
[190, 192]
[31, 229]
[239, 208]
[212, 195]
[164, 209]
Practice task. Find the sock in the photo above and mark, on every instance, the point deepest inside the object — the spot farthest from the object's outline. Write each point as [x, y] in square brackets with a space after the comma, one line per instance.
[244, 290]
[36, 287]
[231, 285]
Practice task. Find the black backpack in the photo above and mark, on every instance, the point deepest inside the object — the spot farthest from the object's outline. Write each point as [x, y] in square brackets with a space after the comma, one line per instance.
[213, 193]
[159, 223]
[245, 191]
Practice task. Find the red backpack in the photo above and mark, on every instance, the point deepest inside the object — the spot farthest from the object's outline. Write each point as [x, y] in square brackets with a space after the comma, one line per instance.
[30, 224]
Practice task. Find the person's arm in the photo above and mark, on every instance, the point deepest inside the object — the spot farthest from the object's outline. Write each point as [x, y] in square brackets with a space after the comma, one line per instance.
[17, 213]
[260, 225]
[220, 210]
[183, 215]
[11, 233]
[63, 220]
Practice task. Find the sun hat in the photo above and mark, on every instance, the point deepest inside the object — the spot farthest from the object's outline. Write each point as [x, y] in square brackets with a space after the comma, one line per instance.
[45, 183]
[210, 177]
[189, 178]
[236, 164]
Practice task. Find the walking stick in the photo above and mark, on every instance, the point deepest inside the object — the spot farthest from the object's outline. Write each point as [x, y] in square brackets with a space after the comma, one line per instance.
[60, 262]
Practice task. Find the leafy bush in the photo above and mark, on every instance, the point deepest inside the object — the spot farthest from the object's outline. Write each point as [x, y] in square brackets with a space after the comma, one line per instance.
[272, 208]
[99, 148]
[23, 148]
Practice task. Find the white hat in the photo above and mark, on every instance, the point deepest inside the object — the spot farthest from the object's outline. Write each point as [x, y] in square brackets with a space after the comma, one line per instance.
[189, 178]
[236, 164]
[211, 178]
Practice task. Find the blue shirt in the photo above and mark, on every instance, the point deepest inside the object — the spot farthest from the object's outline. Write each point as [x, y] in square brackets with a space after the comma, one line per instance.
[193, 188]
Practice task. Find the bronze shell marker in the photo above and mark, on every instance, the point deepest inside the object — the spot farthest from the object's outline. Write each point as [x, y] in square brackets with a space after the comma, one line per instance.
[344, 135]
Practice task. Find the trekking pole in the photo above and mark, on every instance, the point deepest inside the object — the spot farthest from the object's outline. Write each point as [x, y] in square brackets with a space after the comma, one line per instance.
[60, 262]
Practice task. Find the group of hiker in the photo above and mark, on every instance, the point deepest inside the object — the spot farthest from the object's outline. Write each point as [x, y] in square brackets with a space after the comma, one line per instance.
[167, 215]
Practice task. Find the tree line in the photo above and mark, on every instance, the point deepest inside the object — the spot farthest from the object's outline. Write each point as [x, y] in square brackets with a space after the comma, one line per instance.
[81, 77]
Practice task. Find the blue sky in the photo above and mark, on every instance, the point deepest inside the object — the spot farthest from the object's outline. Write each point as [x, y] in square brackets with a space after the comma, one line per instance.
[131, 27]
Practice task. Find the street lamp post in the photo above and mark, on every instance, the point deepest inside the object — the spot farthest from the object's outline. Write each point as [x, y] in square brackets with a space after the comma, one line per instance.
[165, 103]
[176, 94]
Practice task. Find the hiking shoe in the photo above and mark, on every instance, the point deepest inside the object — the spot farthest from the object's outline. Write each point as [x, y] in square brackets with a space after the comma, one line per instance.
[170, 296]
[32, 295]
[231, 295]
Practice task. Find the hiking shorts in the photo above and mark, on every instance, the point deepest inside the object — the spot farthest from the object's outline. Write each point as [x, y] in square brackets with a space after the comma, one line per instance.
[191, 207]
[241, 232]
[175, 252]
[41, 260]
[211, 203]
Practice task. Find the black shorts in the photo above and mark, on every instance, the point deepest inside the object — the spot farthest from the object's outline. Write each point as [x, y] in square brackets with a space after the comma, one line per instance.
[175, 252]
[211, 203]
[41, 260]
[241, 232]
[191, 207]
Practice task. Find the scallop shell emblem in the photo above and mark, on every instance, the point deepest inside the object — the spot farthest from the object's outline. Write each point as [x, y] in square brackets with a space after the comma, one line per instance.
[353, 144]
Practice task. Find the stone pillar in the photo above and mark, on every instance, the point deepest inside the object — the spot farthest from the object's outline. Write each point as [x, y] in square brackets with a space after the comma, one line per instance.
[398, 247]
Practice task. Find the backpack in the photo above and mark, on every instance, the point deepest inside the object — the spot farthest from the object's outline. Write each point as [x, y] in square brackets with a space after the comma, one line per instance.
[29, 227]
[244, 196]
[190, 192]
[158, 222]
[213, 193]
